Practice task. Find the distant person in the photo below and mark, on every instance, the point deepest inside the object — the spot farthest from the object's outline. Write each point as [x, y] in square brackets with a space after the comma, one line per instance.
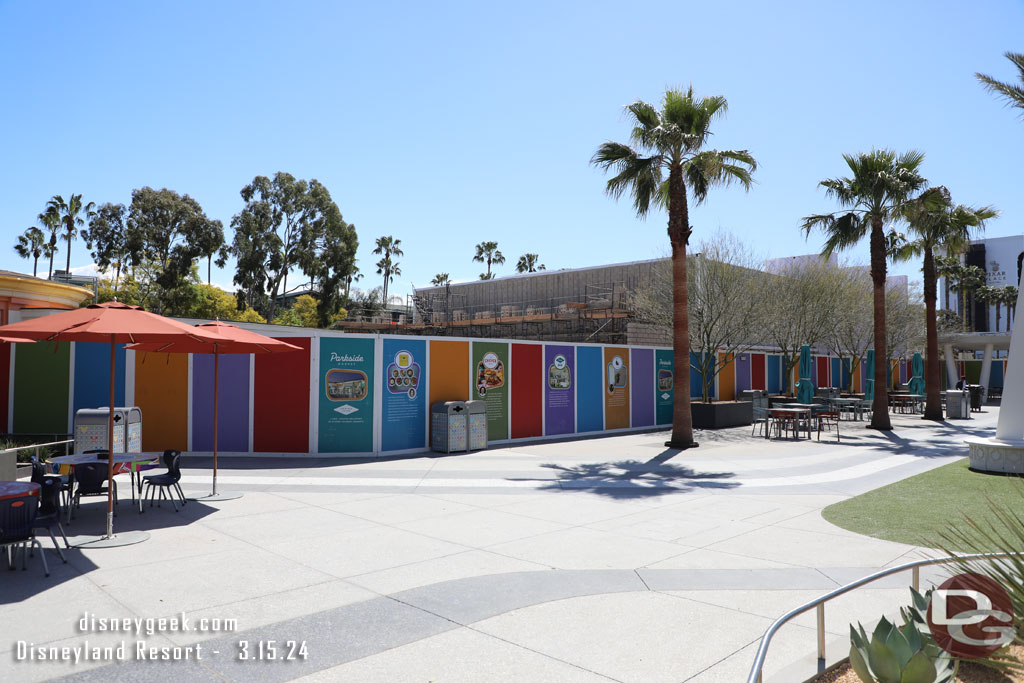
[960, 384]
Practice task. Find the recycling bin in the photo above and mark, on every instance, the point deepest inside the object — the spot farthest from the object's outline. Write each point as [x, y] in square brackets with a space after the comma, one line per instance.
[91, 429]
[957, 404]
[448, 427]
[977, 396]
[477, 425]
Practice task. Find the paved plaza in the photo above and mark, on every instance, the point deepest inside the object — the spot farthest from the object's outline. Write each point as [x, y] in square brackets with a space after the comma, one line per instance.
[604, 559]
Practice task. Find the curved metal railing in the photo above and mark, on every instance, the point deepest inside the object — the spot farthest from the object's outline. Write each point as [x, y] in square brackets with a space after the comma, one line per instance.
[819, 603]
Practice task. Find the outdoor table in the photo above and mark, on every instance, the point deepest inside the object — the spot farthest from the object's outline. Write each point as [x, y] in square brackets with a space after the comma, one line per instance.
[904, 402]
[18, 489]
[795, 409]
[132, 460]
[854, 403]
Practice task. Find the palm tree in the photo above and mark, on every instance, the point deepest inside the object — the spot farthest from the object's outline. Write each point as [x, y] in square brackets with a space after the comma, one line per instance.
[528, 264]
[388, 247]
[31, 244]
[1013, 93]
[440, 280]
[937, 224]
[73, 215]
[671, 139]
[50, 220]
[879, 189]
[966, 279]
[1010, 299]
[487, 252]
[353, 276]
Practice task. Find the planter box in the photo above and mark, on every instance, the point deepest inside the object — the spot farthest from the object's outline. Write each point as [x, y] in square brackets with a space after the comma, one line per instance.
[722, 414]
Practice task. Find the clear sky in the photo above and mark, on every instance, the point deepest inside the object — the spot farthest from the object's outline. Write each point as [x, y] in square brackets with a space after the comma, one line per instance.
[447, 124]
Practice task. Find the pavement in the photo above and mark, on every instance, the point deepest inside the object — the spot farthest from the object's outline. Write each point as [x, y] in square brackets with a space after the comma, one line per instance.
[600, 559]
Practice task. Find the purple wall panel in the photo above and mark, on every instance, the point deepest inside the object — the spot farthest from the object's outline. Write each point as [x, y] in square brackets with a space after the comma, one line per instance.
[642, 400]
[742, 373]
[559, 390]
[233, 403]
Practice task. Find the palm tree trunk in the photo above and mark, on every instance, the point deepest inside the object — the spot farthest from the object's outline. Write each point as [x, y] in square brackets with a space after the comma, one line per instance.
[67, 268]
[932, 378]
[35, 265]
[53, 251]
[679, 234]
[880, 407]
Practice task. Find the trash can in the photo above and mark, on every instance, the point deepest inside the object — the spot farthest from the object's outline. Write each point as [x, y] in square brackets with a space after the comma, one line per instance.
[448, 432]
[91, 429]
[757, 397]
[977, 396]
[477, 425]
[957, 404]
[827, 392]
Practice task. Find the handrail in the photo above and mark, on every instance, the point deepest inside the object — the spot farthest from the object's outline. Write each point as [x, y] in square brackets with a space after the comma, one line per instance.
[819, 602]
[37, 446]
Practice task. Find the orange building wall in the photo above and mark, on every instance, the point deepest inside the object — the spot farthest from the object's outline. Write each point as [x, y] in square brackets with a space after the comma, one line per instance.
[727, 380]
[161, 391]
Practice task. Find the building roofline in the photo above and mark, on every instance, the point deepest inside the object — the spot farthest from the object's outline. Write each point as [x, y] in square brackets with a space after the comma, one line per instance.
[540, 273]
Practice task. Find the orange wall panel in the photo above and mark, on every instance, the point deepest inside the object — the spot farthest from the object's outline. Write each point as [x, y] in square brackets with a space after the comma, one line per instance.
[449, 371]
[161, 391]
[727, 380]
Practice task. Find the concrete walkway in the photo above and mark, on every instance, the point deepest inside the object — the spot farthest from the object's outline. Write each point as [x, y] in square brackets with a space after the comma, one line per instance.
[592, 560]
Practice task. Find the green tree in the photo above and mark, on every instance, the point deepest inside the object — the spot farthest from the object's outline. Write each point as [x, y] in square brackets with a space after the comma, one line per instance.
[216, 304]
[672, 139]
[881, 185]
[353, 276]
[110, 240]
[1013, 93]
[440, 280]
[528, 264]
[31, 244]
[487, 252]
[50, 220]
[1010, 301]
[964, 281]
[73, 215]
[936, 224]
[388, 248]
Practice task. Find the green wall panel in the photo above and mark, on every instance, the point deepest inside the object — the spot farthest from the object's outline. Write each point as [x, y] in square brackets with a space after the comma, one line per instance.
[41, 385]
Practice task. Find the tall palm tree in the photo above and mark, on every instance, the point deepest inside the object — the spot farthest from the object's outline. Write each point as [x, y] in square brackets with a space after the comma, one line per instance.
[881, 185]
[31, 244]
[1013, 93]
[1010, 299]
[50, 220]
[388, 247]
[73, 215]
[487, 252]
[936, 223]
[966, 279]
[440, 280]
[671, 139]
[528, 264]
[353, 276]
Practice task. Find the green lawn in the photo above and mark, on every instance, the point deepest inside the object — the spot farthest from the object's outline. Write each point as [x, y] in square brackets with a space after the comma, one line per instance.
[918, 509]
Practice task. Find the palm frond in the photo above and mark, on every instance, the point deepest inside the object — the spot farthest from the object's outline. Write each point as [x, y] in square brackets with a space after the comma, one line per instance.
[715, 168]
[1013, 93]
[611, 153]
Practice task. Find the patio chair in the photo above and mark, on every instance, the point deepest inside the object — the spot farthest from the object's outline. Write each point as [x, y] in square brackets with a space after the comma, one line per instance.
[167, 483]
[49, 514]
[827, 420]
[91, 480]
[760, 418]
[17, 516]
[784, 420]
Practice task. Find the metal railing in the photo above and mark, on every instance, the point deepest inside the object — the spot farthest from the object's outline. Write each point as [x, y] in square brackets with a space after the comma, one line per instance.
[36, 446]
[819, 603]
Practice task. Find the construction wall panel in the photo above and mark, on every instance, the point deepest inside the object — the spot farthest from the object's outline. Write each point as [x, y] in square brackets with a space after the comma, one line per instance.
[616, 385]
[590, 390]
[744, 378]
[560, 379]
[232, 402]
[527, 391]
[161, 391]
[490, 385]
[92, 375]
[404, 404]
[41, 387]
[757, 371]
[642, 396]
[281, 400]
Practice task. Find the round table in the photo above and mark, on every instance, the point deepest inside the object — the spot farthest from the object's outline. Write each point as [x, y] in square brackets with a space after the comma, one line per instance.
[18, 489]
[120, 459]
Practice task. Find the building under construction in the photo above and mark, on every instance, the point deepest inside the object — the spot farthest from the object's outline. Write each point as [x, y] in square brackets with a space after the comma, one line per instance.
[581, 304]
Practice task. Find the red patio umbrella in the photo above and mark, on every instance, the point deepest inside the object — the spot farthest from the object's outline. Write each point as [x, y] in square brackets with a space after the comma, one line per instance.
[230, 339]
[116, 323]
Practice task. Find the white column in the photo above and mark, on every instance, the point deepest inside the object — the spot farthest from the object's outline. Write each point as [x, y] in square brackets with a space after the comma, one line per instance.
[986, 370]
[952, 376]
[1011, 408]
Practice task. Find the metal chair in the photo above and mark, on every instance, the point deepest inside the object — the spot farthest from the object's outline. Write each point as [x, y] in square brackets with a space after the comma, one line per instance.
[49, 513]
[167, 483]
[17, 515]
[91, 480]
[828, 419]
[760, 418]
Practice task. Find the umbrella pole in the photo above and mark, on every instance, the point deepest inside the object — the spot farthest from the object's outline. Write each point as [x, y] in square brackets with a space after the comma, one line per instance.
[216, 391]
[110, 445]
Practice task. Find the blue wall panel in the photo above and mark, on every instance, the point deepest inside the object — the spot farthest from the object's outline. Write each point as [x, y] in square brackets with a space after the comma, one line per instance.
[92, 375]
[589, 389]
[774, 367]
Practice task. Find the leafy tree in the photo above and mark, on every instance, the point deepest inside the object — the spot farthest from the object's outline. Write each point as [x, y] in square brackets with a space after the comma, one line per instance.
[851, 331]
[73, 215]
[905, 312]
[331, 260]
[528, 264]
[937, 224]
[111, 241]
[50, 220]
[672, 139]
[172, 233]
[388, 248]
[880, 186]
[31, 244]
[487, 252]
[216, 304]
[440, 280]
[1013, 93]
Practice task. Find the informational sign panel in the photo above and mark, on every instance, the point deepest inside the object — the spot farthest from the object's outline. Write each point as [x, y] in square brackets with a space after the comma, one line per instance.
[616, 386]
[346, 395]
[403, 420]
[490, 381]
[559, 389]
[664, 385]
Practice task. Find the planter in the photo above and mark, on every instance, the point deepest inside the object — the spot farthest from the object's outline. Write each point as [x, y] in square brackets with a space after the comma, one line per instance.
[722, 414]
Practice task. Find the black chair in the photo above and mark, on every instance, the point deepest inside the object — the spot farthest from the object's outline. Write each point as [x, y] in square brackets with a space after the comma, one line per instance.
[91, 480]
[167, 483]
[49, 513]
[17, 515]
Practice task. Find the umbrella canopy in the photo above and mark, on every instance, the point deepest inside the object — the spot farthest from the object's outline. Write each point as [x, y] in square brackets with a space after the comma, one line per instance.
[916, 383]
[112, 322]
[231, 339]
[804, 388]
[869, 376]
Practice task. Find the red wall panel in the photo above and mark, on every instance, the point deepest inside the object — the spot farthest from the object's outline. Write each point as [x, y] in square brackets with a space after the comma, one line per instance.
[757, 380]
[824, 376]
[527, 390]
[281, 400]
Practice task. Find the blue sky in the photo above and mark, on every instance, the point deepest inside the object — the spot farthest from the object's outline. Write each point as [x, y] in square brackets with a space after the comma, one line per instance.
[446, 124]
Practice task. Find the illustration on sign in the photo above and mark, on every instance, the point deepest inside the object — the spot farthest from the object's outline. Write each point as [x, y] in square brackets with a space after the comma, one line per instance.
[490, 373]
[559, 374]
[617, 373]
[664, 380]
[404, 375]
[346, 385]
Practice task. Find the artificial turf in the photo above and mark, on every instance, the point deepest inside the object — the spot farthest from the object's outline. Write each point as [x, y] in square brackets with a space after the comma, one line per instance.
[918, 509]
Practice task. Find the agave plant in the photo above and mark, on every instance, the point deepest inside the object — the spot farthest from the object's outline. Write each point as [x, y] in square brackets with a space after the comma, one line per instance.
[899, 655]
